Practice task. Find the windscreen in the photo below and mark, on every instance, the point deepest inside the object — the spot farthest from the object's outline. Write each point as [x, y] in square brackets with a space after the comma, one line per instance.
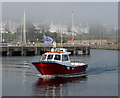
[50, 57]
[43, 57]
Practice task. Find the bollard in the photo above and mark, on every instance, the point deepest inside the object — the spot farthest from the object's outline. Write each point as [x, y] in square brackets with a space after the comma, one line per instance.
[8, 52]
[86, 51]
[35, 50]
[22, 52]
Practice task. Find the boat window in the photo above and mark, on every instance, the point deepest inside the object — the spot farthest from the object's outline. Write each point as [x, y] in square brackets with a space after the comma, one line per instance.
[50, 57]
[43, 57]
[57, 57]
[64, 57]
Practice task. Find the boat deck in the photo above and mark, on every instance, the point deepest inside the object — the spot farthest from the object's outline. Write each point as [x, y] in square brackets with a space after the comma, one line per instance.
[77, 63]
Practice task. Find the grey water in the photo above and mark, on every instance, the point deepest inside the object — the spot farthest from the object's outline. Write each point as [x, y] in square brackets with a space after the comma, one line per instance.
[19, 77]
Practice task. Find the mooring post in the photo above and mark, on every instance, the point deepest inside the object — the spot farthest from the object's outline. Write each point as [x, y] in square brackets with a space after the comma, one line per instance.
[74, 51]
[8, 52]
[22, 52]
[86, 51]
[36, 50]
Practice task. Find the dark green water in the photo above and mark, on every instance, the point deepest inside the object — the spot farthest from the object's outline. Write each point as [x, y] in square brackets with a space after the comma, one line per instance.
[20, 79]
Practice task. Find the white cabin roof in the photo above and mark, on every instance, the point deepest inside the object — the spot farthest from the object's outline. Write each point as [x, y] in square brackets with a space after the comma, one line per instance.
[58, 51]
[67, 53]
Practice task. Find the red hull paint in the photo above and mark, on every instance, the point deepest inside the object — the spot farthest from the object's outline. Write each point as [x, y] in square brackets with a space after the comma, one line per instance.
[56, 69]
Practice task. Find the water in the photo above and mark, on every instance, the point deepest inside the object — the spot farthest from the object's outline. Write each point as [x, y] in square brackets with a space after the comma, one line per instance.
[101, 79]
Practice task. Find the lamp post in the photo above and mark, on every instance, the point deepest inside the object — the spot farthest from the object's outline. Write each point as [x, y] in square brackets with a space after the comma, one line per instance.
[61, 35]
[73, 33]
[73, 27]
[1, 33]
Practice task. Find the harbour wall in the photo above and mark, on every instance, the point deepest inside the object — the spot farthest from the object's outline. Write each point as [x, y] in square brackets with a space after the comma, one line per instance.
[39, 50]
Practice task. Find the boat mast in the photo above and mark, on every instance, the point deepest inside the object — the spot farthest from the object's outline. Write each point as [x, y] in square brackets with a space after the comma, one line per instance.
[24, 30]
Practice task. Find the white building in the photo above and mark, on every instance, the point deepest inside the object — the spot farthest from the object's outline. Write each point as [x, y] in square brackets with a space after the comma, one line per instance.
[58, 28]
[2, 25]
[53, 28]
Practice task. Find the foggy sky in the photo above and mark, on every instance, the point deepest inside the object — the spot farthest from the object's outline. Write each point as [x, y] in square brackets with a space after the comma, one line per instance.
[84, 12]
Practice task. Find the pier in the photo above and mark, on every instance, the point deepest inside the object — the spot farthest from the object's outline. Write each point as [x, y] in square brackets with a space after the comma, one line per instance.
[42, 48]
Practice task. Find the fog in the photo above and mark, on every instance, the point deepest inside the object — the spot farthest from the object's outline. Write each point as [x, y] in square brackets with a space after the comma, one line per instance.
[61, 12]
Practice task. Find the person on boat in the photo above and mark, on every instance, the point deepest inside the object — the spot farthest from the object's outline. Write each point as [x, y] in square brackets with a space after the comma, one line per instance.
[57, 57]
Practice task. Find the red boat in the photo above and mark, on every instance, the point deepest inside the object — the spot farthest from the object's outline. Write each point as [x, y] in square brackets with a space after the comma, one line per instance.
[57, 62]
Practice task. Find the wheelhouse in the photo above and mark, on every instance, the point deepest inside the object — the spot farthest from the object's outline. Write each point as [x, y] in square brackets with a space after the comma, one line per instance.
[56, 56]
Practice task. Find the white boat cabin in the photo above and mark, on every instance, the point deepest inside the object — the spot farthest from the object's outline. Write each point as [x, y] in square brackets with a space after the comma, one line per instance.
[59, 55]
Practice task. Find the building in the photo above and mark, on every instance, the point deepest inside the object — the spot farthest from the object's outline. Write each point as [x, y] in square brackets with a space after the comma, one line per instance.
[3, 28]
[58, 28]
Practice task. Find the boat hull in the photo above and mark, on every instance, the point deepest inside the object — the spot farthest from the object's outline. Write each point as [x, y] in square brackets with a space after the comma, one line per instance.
[52, 68]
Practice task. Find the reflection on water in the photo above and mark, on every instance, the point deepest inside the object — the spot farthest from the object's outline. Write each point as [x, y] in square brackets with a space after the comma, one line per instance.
[56, 86]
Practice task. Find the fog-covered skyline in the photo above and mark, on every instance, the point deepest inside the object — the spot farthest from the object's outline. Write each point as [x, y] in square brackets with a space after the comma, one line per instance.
[39, 12]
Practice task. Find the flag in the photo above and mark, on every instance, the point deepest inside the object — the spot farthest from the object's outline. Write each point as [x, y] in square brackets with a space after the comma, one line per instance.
[48, 39]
